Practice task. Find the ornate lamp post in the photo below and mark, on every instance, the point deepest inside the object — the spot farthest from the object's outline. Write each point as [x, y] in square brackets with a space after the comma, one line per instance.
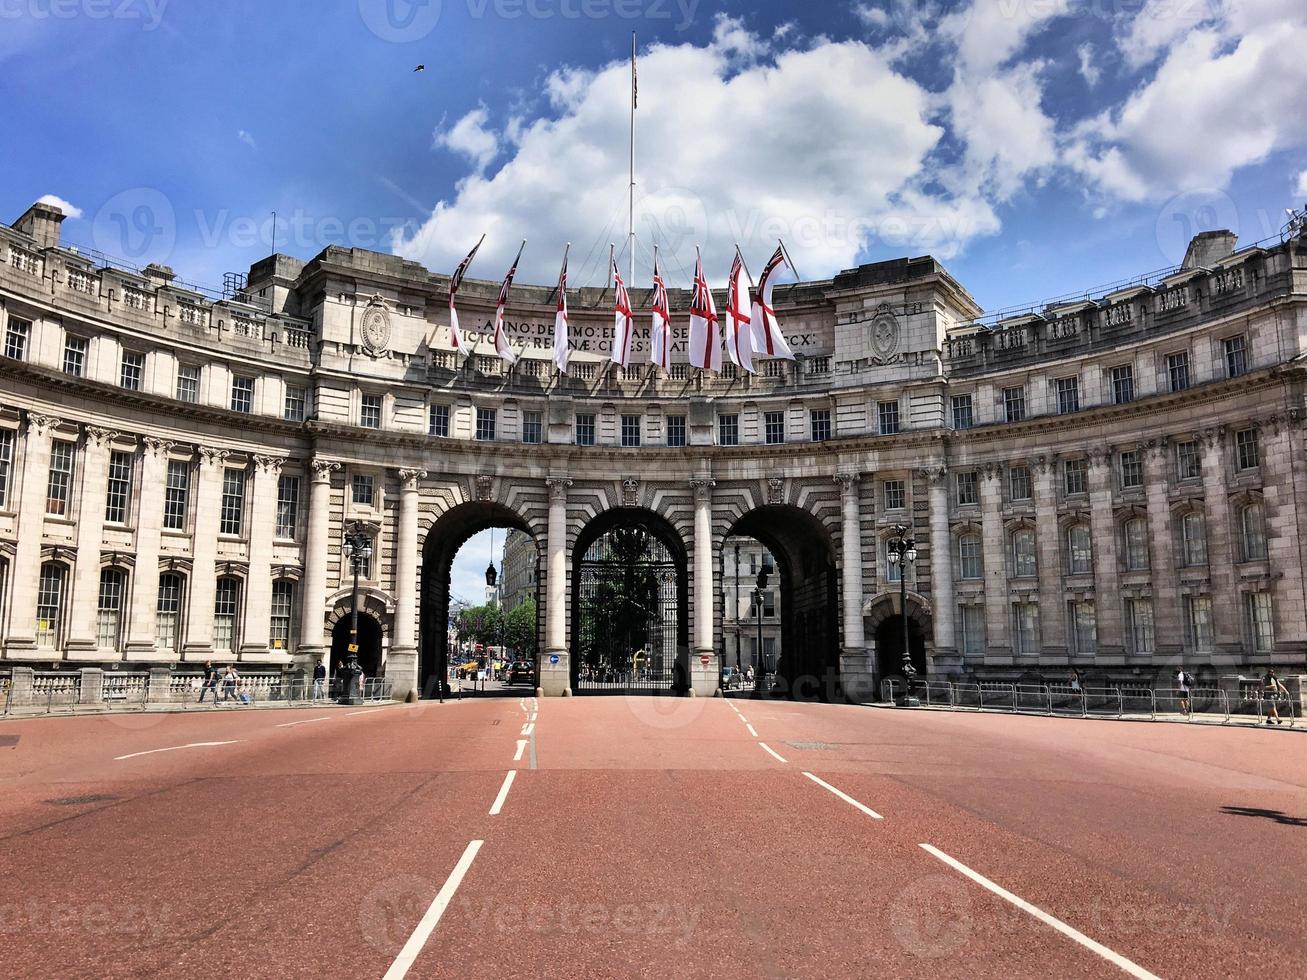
[357, 549]
[492, 581]
[902, 552]
[759, 681]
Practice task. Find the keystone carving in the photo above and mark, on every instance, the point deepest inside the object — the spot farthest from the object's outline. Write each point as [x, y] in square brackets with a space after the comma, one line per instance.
[630, 491]
[558, 488]
[776, 489]
[485, 488]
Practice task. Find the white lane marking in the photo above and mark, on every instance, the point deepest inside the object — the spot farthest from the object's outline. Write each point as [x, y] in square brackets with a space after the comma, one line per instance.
[771, 751]
[174, 748]
[531, 716]
[751, 731]
[503, 793]
[744, 719]
[422, 933]
[521, 747]
[370, 711]
[528, 728]
[845, 797]
[1116, 959]
[306, 721]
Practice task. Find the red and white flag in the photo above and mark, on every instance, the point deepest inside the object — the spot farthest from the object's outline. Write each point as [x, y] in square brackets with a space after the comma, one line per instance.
[561, 351]
[455, 281]
[738, 342]
[660, 334]
[501, 338]
[623, 322]
[768, 341]
[705, 341]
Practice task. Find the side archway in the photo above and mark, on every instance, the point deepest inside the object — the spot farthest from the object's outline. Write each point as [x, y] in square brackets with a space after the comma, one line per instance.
[883, 619]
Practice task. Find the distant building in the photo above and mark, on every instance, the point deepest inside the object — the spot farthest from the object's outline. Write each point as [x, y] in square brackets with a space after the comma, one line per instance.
[740, 610]
[518, 569]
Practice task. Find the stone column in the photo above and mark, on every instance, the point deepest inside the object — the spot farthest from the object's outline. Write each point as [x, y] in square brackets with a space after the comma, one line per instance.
[998, 646]
[1107, 575]
[941, 568]
[143, 622]
[1052, 611]
[856, 674]
[204, 555]
[705, 678]
[1227, 612]
[1280, 459]
[90, 533]
[1168, 618]
[26, 570]
[402, 658]
[314, 593]
[555, 678]
[256, 626]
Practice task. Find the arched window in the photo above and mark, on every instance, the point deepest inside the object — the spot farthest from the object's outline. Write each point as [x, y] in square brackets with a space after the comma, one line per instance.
[1023, 553]
[1079, 550]
[1193, 539]
[970, 563]
[1252, 532]
[169, 611]
[1135, 537]
[108, 611]
[226, 605]
[50, 605]
[283, 599]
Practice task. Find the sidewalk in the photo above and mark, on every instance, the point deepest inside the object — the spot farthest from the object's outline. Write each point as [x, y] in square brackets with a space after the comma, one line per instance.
[175, 707]
[1171, 718]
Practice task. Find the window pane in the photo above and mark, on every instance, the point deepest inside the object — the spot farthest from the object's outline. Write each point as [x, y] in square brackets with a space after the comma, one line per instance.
[233, 501]
[118, 492]
[49, 605]
[109, 608]
[439, 421]
[288, 501]
[169, 611]
[61, 478]
[820, 424]
[175, 495]
[6, 464]
[676, 430]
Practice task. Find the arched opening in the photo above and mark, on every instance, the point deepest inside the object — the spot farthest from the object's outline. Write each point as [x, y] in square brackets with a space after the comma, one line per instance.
[439, 650]
[630, 621]
[806, 665]
[889, 647]
[369, 642]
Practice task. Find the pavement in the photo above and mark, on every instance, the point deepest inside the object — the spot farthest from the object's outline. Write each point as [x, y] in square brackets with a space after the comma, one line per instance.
[646, 837]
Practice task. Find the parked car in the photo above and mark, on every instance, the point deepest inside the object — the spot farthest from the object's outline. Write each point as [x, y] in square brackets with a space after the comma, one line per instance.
[522, 670]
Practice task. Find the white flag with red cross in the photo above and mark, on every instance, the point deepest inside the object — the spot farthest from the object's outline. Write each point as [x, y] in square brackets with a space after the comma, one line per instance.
[561, 351]
[705, 341]
[501, 337]
[623, 322]
[738, 340]
[768, 341]
[660, 334]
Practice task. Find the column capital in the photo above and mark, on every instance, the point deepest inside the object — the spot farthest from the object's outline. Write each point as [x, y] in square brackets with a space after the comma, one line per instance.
[558, 487]
[97, 437]
[993, 470]
[214, 457]
[269, 464]
[848, 483]
[322, 469]
[1099, 456]
[1155, 450]
[157, 447]
[935, 474]
[702, 489]
[42, 425]
[1044, 463]
[1211, 439]
[409, 479]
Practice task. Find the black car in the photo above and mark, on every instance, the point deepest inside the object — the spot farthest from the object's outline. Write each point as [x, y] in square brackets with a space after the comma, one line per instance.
[522, 670]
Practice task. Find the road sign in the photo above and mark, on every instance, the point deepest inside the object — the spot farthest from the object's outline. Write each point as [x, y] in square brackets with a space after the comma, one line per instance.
[553, 659]
[353, 648]
[704, 660]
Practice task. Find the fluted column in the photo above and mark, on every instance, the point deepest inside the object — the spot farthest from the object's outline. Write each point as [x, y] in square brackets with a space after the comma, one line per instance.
[1284, 536]
[90, 532]
[204, 554]
[704, 677]
[142, 624]
[312, 623]
[402, 657]
[997, 639]
[1052, 613]
[1227, 613]
[941, 564]
[1167, 611]
[851, 542]
[555, 671]
[26, 572]
[1107, 575]
[256, 629]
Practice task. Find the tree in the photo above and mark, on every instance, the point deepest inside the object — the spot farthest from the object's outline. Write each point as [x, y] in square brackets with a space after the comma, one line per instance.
[520, 629]
[479, 624]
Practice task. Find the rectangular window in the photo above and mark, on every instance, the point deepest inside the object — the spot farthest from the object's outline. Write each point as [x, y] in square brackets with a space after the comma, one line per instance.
[242, 395]
[1084, 627]
[968, 489]
[532, 428]
[233, 501]
[6, 464]
[132, 370]
[438, 421]
[225, 603]
[108, 610]
[728, 430]
[288, 506]
[1014, 404]
[75, 356]
[1068, 395]
[1123, 384]
[169, 609]
[1079, 550]
[676, 431]
[61, 478]
[1245, 449]
[971, 621]
[1261, 621]
[1075, 476]
[1193, 540]
[1135, 540]
[49, 605]
[1177, 370]
[1236, 356]
[1199, 632]
[630, 431]
[893, 494]
[1025, 628]
[17, 334]
[485, 431]
[1024, 559]
[370, 411]
[773, 427]
[585, 430]
[1131, 469]
[820, 419]
[361, 490]
[887, 414]
[175, 495]
[188, 383]
[1139, 625]
[970, 564]
[962, 414]
[118, 491]
[1019, 483]
[294, 404]
[1188, 464]
[283, 596]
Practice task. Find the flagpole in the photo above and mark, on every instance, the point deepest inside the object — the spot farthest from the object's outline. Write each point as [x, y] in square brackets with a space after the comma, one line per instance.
[630, 226]
[789, 261]
[744, 265]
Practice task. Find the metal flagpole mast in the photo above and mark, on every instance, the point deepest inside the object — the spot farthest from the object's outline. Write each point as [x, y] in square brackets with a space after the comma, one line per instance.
[630, 239]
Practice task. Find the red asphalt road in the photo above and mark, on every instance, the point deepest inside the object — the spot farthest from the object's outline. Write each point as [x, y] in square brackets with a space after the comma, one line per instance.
[647, 837]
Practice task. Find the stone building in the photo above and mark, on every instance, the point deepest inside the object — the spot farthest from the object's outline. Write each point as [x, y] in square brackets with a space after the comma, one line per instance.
[1113, 483]
[518, 567]
[741, 561]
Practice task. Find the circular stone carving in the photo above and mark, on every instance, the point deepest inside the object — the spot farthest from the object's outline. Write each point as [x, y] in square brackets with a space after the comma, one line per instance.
[375, 328]
[885, 333]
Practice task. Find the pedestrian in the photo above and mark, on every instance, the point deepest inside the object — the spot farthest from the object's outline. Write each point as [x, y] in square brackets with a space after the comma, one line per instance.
[1075, 681]
[1184, 683]
[210, 681]
[229, 679]
[1272, 692]
[319, 678]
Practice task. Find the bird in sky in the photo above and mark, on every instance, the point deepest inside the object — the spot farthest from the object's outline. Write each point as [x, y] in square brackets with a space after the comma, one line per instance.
[420, 68]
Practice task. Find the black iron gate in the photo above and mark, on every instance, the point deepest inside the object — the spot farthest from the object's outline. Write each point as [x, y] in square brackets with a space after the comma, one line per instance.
[629, 607]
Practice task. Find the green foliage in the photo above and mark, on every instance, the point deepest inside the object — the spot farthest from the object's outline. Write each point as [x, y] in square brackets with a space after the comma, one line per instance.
[520, 633]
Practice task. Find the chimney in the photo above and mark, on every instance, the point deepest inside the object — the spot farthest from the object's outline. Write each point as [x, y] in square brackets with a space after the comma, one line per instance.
[159, 274]
[41, 222]
[1208, 248]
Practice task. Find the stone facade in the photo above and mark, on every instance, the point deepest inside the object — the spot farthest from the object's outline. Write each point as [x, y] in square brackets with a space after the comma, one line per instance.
[1113, 484]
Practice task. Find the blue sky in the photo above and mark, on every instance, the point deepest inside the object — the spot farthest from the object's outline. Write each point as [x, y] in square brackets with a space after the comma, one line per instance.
[1038, 147]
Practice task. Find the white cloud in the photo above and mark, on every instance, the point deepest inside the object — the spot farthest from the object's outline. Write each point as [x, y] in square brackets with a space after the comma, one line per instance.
[1160, 23]
[1089, 69]
[1008, 137]
[472, 138]
[989, 33]
[735, 142]
[69, 210]
[1301, 192]
[246, 138]
[873, 17]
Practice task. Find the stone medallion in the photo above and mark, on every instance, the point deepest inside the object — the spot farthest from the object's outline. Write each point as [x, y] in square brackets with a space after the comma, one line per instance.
[884, 335]
[374, 326]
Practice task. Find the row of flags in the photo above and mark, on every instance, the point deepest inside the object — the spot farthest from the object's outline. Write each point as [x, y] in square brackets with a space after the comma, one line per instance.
[751, 330]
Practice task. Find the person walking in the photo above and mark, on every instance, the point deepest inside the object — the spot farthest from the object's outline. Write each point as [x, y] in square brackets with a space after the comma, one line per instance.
[1272, 692]
[1184, 683]
[210, 681]
[319, 679]
[1074, 681]
[229, 679]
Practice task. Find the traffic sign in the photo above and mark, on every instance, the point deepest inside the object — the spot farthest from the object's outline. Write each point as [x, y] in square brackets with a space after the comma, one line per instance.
[704, 660]
[353, 648]
[553, 659]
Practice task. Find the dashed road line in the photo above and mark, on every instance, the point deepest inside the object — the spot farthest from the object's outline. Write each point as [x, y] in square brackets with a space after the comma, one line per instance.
[767, 748]
[521, 747]
[751, 731]
[845, 797]
[370, 711]
[305, 721]
[174, 748]
[1116, 959]
[503, 793]
[399, 969]
[528, 728]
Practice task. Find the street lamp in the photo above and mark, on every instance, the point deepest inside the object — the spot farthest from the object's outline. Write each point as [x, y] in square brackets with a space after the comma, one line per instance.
[902, 552]
[492, 582]
[357, 549]
[759, 683]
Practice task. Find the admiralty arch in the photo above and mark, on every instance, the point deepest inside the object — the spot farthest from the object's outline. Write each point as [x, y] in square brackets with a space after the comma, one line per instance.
[1113, 483]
